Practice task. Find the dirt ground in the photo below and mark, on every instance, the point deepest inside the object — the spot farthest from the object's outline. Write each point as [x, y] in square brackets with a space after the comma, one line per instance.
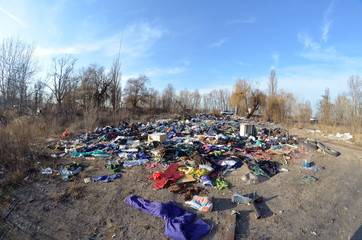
[330, 208]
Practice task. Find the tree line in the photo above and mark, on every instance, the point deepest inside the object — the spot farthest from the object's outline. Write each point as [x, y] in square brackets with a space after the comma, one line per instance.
[70, 90]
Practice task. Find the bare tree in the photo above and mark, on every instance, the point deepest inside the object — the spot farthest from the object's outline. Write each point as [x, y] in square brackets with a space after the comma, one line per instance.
[272, 109]
[342, 107]
[115, 87]
[61, 78]
[195, 99]
[324, 108]
[38, 95]
[183, 100]
[303, 112]
[355, 84]
[245, 99]
[17, 66]
[153, 100]
[167, 101]
[273, 84]
[136, 92]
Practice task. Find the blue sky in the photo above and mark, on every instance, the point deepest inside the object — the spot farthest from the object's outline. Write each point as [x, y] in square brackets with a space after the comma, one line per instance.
[201, 44]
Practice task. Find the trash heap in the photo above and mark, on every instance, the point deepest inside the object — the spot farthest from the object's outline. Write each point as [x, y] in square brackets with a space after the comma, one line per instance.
[200, 147]
[200, 150]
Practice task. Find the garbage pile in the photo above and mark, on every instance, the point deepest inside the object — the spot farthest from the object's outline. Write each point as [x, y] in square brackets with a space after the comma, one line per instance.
[200, 150]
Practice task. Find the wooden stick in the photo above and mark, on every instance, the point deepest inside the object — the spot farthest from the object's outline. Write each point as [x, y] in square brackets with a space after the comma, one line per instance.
[230, 227]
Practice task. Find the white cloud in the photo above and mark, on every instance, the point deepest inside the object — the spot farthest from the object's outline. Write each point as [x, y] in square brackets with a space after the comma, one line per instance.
[243, 64]
[307, 41]
[40, 51]
[327, 20]
[275, 57]
[153, 72]
[244, 20]
[325, 30]
[139, 38]
[218, 43]
[137, 41]
[16, 19]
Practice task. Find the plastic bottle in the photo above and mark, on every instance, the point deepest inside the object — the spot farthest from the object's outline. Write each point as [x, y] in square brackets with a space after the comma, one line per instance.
[238, 198]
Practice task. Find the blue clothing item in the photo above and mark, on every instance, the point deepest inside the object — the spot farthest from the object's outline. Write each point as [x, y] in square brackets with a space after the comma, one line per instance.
[107, 178]
[135, 162]
[178, 222]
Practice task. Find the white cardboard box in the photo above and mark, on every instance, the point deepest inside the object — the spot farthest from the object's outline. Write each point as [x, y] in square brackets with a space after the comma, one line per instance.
[160, 137]
[247, 130]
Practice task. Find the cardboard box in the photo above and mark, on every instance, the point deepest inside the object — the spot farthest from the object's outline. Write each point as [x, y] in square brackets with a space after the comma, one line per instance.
[247, 130]
[160, 137]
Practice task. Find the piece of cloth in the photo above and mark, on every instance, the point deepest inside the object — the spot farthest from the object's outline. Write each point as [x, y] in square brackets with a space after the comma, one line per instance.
[179, 223]
[134, 162]
[170, 175]
[69, 170]
[205, 180]
[107, 178]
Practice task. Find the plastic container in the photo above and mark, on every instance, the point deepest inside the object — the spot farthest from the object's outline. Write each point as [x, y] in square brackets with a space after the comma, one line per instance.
[238, 198]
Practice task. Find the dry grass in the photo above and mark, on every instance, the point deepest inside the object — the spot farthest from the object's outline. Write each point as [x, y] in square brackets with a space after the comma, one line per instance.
[73, 192]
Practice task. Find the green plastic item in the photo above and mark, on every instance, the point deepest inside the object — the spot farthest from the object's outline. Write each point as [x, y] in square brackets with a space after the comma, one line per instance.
[309, 179]
[221, 184]
[87, 154]
[256, 170]
[114, 167]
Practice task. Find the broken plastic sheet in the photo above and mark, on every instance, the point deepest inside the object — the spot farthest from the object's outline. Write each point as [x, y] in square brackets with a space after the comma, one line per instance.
[282, 149]
[179, 223]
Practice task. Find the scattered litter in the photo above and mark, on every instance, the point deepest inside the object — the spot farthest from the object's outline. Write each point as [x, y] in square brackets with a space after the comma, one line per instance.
[69, 170]
[343, 136]
[238, 198]
[205, 180]
[251, 178]
[47, 171]
[221, 184]
[107, 178]
[309, 179]
[203, 204]
[87, 180]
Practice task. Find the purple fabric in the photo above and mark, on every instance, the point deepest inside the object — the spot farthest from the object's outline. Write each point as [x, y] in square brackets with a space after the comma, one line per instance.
[107, 178]
[178, 222]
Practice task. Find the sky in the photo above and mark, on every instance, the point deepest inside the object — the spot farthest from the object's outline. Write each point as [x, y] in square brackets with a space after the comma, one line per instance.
[204, 44]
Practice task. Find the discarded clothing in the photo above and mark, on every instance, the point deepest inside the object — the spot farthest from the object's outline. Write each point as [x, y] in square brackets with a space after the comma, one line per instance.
[135, 162]
[114, 167]
[69, 170]
[96, 153]
[107, 178]
[170, 175]
[205, 180]
[178, 222]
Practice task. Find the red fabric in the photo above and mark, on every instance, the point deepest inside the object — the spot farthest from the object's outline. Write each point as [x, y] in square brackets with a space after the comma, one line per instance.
[65, 133]
[170, 175]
